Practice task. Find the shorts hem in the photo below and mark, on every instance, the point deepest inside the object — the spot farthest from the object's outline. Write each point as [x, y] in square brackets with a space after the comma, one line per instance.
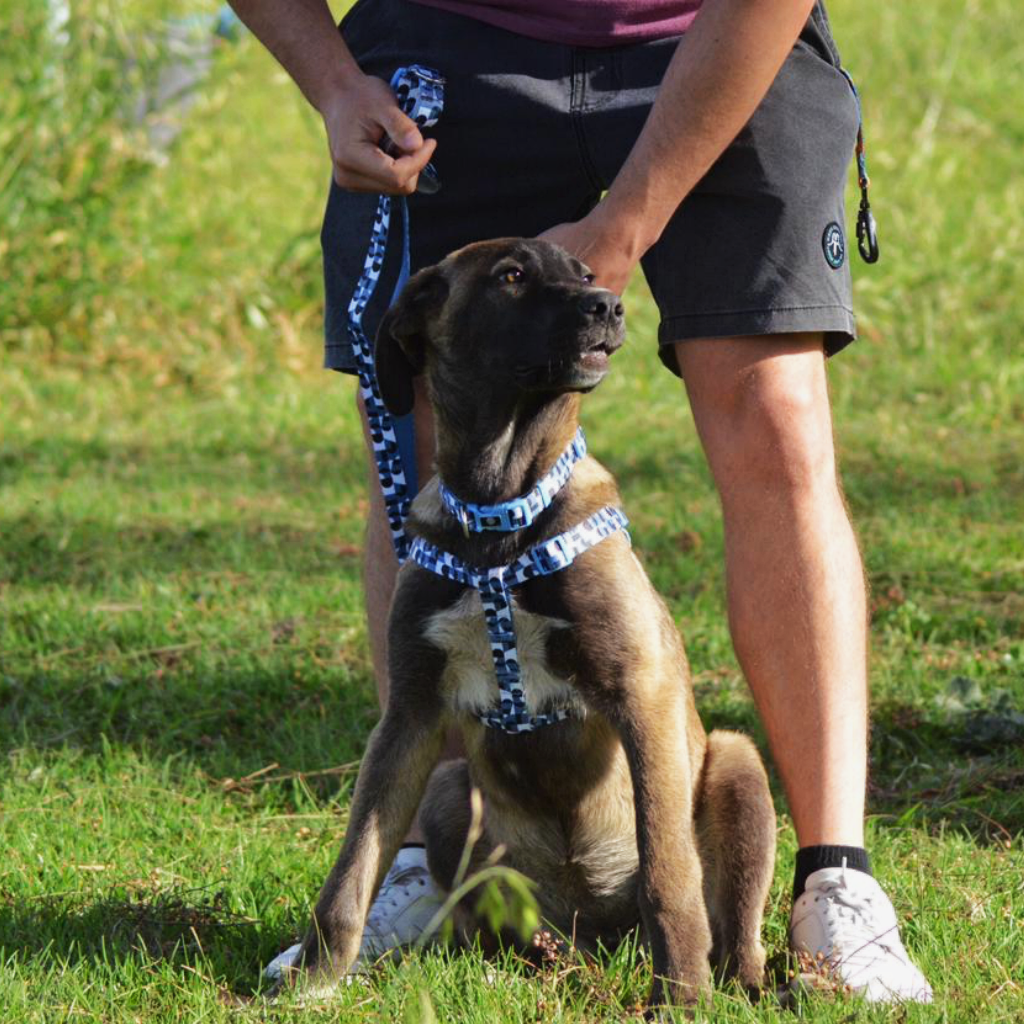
[837, 323]
[340, 358]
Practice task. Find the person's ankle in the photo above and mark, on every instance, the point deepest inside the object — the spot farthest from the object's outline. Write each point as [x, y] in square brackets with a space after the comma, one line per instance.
[813, 858]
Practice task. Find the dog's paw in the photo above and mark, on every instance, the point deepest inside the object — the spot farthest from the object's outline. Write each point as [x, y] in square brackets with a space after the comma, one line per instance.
[286, 973]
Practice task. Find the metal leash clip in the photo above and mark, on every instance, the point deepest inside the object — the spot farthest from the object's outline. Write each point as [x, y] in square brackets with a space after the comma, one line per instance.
[867, 231]
[867, 234]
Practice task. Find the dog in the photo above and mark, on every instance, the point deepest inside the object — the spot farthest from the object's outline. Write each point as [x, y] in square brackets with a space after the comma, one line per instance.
[623, 813]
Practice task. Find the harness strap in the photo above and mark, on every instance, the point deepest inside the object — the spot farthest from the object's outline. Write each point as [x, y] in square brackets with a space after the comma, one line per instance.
[420, 95]
[495, 585]
[520, 512]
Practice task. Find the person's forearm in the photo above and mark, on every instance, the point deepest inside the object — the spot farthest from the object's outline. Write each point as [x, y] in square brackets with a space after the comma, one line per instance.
[721, 71]
[358, 109]
[302, 35]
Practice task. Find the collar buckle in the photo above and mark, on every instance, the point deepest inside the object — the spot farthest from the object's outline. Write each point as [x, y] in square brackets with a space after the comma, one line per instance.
[508, 517]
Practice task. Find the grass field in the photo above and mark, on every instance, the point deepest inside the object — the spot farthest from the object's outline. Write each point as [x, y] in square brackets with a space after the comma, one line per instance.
[184, 674]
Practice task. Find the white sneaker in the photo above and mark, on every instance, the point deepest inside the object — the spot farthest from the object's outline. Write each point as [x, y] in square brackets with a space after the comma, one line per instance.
[405, 905]
[281, 963]
[844, 927]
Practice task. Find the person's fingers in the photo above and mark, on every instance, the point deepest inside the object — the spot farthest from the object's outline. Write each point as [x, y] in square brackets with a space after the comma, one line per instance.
[409, 166]
[370, 170]
[400, 128]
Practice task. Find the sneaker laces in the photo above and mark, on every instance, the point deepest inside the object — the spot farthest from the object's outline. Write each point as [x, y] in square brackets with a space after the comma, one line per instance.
[852, 924]
[394, 891]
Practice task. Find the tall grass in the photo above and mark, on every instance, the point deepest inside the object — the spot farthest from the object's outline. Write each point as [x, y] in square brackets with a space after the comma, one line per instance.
[109, 256]
[72, 153]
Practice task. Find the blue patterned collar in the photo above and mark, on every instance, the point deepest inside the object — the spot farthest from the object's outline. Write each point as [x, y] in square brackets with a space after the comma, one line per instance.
[520, 512]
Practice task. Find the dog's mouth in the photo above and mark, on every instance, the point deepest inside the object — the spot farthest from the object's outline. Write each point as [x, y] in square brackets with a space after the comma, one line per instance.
[596, 356]
[581, 369]
[590, 364]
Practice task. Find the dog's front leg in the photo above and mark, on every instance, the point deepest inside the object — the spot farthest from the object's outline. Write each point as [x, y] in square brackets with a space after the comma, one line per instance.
[403, 749]
[653, 731]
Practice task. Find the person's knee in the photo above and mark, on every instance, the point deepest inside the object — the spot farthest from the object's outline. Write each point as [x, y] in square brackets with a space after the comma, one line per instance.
[766, 425]
[782, 442]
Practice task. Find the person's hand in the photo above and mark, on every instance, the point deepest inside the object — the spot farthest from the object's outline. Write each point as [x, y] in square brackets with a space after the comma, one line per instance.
[604, 245]
[357, 117]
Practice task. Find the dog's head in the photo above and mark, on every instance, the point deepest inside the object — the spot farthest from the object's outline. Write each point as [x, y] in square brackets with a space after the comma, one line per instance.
[518, 315]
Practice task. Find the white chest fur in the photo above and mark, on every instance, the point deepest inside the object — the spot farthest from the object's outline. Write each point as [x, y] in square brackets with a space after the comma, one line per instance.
[469, 683]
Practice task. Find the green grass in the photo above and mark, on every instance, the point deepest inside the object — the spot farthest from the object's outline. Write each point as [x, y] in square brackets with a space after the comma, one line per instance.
[181, 507]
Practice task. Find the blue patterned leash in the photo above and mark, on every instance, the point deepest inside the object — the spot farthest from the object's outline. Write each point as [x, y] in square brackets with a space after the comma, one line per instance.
[420, 95]
[867, 230]
[495, 586]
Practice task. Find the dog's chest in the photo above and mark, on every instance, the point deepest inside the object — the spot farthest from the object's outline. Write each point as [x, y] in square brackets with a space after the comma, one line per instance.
[469, 683]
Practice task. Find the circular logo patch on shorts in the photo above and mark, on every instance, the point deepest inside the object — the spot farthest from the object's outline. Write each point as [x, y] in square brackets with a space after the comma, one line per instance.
[834, 244]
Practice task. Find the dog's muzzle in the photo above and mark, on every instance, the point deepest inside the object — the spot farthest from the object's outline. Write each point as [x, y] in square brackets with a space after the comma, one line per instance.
[579, 362]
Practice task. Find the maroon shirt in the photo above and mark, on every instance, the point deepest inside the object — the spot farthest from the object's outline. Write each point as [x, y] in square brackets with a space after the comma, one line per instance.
[580, 22]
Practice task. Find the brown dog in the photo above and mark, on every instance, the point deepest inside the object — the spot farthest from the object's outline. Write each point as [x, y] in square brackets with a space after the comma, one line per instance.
[625, 813]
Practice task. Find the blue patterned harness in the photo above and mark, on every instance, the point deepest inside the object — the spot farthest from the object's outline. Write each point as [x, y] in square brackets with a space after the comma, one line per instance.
[495, 584]
[420, 95]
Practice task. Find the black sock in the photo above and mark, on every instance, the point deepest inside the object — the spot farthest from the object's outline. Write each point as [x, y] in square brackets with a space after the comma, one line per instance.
[812, 858]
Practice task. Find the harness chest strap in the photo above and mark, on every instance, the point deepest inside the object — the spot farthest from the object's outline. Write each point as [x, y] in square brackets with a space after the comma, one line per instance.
[495, 587]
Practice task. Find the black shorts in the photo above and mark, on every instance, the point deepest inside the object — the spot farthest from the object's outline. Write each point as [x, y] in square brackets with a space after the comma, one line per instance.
[533, 132]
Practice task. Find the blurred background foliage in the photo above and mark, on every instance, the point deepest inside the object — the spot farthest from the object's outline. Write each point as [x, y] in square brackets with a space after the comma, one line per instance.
[111, 252]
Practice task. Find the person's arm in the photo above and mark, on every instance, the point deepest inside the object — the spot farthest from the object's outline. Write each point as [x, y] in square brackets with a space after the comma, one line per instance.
[357, 109]
[720, 72]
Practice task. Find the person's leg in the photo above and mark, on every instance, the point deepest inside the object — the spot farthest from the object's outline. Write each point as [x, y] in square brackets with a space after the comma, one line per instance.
[797, 611]
[795, 581]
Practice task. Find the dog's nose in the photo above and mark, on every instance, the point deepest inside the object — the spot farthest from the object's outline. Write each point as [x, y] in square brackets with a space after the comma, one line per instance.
[601, 304]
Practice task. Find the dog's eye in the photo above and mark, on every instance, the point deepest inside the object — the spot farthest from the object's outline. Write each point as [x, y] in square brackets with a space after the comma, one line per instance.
[590, 278]
[512, 275]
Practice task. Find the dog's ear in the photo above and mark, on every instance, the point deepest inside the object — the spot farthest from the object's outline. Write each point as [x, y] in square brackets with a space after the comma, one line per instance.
[400, 348]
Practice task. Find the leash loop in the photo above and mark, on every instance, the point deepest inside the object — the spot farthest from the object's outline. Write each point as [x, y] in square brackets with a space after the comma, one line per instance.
[420, 95]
